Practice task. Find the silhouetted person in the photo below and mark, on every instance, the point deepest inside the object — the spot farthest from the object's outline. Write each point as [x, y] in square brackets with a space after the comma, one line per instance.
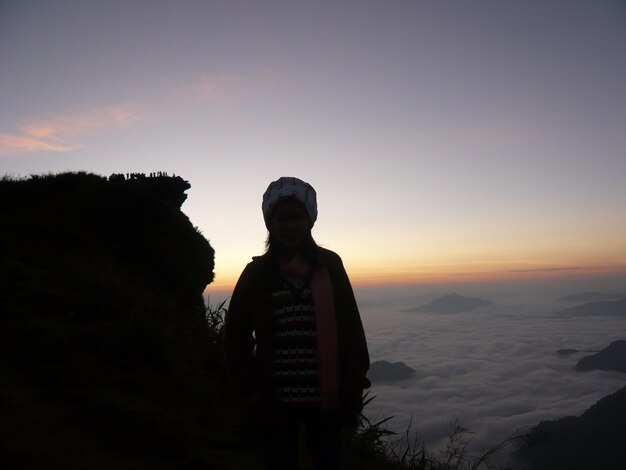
[306, 372]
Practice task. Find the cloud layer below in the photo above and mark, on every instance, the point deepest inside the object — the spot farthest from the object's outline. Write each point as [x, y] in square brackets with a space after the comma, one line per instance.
[495, 370]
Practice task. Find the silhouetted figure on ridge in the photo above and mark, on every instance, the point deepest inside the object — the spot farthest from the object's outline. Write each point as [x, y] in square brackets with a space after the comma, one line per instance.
[307, 371]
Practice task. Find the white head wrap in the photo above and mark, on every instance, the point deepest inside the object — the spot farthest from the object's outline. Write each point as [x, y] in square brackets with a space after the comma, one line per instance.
[289, 187]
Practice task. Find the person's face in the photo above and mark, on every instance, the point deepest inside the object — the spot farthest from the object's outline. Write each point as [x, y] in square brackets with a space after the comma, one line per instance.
[290, 224]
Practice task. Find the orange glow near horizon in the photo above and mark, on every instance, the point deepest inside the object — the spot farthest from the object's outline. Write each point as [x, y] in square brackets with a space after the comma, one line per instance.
[486, 276]
[470, 273]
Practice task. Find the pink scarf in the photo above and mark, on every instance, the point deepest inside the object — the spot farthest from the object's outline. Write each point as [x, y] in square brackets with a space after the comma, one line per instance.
[327, 344]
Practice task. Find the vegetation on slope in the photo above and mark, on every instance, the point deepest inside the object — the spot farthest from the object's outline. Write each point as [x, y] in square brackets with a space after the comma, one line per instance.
[107, 360]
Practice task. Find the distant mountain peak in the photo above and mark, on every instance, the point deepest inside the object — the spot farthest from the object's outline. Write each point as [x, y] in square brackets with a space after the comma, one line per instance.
[600, 308]
[452, 303]
[591, 297]
[385, 371]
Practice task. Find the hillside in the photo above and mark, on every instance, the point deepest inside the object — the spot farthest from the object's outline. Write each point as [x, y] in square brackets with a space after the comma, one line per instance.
[595, 440]
[613, 357]
[107, 360]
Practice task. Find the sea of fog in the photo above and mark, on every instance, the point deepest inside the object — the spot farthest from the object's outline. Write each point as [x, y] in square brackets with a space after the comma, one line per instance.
[494, 370]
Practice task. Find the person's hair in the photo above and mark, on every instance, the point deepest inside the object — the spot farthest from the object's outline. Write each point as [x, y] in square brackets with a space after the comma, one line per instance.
[308, 248]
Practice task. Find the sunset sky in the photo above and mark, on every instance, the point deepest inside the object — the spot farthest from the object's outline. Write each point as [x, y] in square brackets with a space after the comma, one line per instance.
[447, 140]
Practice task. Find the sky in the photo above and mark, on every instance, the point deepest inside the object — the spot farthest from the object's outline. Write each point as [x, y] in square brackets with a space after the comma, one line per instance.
[448, 141]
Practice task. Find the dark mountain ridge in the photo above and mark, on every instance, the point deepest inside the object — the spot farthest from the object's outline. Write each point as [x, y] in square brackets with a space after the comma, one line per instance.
[595, 440]
[613, 357]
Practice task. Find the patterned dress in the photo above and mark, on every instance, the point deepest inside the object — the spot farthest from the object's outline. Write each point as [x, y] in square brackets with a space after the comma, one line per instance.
[295, 354]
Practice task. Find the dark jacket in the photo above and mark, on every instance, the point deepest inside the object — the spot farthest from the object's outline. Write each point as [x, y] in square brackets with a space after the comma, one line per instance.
[250, 312]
